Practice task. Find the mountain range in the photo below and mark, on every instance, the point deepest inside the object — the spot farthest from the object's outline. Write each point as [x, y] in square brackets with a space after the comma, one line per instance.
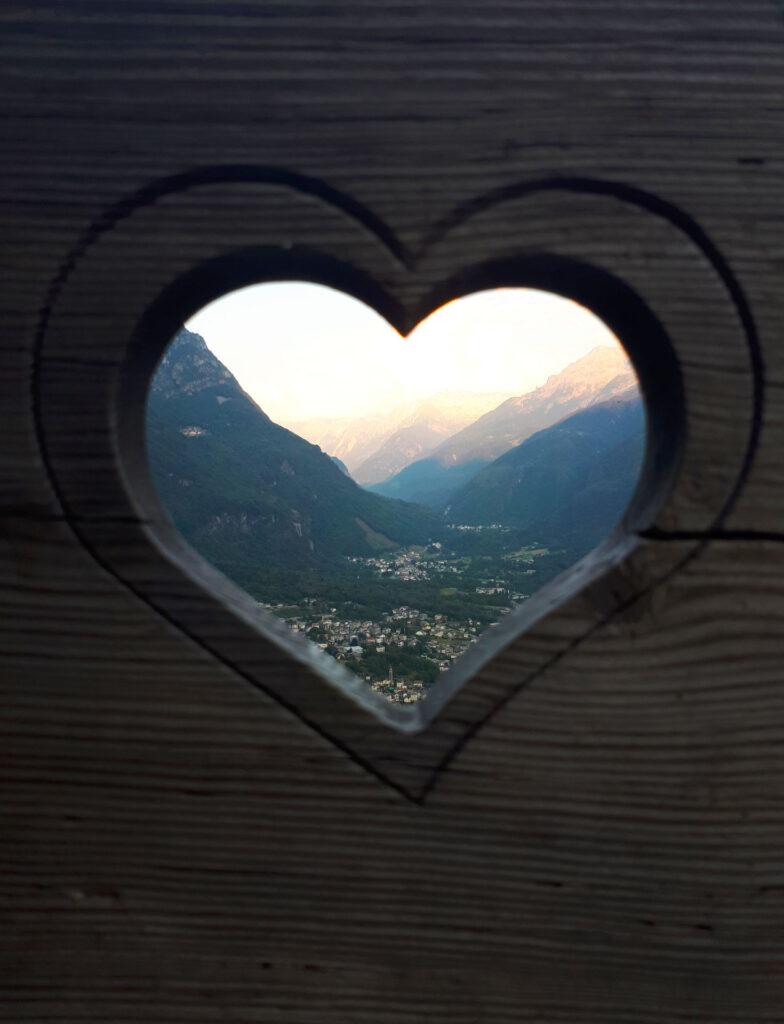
[246, 492]
[566, 485]
[377, 446]
[279, 516]
[603, 373]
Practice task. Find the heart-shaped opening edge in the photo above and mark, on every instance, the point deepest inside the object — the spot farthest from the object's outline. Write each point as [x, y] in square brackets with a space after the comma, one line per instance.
[613, 301]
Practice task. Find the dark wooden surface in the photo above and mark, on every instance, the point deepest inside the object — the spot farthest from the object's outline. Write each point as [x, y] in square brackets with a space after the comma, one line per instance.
[177, 845]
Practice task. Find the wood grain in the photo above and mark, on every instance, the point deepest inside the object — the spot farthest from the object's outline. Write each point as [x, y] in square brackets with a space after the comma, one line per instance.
[620, 819]
[179, 847]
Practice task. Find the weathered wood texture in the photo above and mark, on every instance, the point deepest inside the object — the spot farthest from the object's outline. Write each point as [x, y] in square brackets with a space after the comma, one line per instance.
[178, 846]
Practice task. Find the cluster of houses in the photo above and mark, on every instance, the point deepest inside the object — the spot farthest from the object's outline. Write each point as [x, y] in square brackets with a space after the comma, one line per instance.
[411, 564]
[464, 528]
[438, 638]
[434, 637]
[399, 691]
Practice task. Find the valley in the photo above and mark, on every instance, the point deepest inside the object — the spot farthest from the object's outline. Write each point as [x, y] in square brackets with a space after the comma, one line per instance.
[402, 618]
[395, 579]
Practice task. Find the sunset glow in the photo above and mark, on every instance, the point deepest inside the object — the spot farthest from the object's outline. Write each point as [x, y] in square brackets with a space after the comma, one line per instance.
[303, 350]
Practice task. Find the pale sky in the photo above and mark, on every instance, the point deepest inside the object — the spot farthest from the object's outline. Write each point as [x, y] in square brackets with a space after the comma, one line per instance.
[303, 350]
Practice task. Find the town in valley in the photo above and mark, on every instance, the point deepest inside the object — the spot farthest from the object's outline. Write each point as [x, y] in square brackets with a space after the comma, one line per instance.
[447, 599]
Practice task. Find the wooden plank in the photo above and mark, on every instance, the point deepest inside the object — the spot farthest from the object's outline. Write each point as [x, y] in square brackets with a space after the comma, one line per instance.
[178, 847]
[621, 817]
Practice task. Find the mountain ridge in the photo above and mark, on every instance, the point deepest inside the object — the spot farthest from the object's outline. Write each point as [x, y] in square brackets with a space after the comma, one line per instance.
[567, 484]
[357, 440]
[599, 374]
[248, 493]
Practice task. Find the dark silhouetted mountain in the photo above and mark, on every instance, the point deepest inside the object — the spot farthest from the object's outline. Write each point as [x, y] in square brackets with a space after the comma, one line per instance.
[565, 486]
[247, 493]
[430, 480]
[599, 375]
[341, 465]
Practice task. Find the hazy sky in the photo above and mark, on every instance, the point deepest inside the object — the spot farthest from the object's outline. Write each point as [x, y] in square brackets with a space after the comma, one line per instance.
[303, 350]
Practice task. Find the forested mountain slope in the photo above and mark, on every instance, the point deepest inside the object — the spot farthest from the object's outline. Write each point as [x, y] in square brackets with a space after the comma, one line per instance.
[565, 486]
[603, 372]
[247, 493]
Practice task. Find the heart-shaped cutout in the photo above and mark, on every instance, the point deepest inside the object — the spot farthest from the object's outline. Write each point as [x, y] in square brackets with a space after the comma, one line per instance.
[459, 469]
[644, 266]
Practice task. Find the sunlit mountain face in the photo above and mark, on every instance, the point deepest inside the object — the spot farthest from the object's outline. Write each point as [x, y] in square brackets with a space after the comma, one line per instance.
[376, 447]
[434, 479]
[393, 498]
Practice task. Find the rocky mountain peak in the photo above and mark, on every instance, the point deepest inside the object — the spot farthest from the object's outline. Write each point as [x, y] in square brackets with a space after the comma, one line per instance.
[188, 367]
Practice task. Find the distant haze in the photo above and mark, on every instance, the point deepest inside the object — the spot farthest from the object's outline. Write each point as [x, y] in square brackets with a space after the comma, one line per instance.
[303, 350]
